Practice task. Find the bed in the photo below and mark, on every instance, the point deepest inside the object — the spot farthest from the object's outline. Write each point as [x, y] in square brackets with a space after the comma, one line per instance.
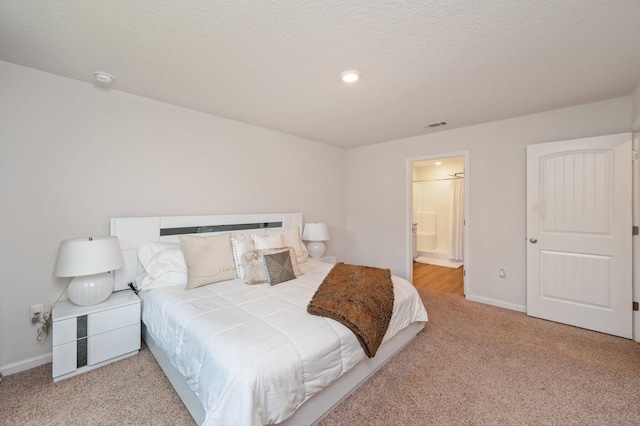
[252, 354]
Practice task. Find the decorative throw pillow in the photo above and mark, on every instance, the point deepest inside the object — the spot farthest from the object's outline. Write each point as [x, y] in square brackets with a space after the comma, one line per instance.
[278, 267]
[267, 241]
[241, 244]
[291, 238]
[209, 259]
[253, 264]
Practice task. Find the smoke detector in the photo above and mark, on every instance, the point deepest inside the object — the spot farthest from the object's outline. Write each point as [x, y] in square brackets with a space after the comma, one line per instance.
[103, 77]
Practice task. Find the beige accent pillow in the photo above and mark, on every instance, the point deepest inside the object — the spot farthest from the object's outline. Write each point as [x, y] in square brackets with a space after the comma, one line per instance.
[291, 238]
[267, 242]
[209, 259]
[253, 264]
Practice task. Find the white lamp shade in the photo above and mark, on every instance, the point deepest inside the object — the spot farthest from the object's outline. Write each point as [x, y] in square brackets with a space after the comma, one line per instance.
[315, 232]
[88, 256]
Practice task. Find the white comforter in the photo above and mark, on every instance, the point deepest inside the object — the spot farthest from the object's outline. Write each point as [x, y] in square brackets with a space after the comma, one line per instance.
[253, 354]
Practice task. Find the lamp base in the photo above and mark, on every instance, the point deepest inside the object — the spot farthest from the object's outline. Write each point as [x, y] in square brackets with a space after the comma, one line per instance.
[316, 248]
[90, 289]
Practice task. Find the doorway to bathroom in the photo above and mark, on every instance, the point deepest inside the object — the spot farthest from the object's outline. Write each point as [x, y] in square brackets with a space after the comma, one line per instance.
[438, 221]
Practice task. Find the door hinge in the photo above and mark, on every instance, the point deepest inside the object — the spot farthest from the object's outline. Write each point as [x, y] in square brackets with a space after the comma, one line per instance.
[635, 230]
[634, 155]
[636, 306]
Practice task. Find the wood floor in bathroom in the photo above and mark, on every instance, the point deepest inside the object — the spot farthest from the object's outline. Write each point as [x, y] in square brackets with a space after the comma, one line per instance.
[438, 278]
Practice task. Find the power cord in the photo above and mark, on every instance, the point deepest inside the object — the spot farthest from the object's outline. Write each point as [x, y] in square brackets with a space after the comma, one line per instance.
[43, 331]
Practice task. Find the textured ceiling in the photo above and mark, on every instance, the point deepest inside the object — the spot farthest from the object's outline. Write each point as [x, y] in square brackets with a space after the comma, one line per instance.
[276, 64]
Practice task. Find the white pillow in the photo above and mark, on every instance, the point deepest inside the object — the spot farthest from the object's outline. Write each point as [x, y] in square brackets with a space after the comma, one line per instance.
[241, 244]
[163, 264]
[267, 241]
[209, 259]
[291, 238]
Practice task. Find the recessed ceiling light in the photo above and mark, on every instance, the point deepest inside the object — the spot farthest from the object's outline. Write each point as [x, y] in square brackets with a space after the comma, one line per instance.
[103, 77]
[350, 76]
[438, 163]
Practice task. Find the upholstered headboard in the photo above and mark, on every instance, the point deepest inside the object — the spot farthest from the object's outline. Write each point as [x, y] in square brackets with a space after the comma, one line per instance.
[135, 231]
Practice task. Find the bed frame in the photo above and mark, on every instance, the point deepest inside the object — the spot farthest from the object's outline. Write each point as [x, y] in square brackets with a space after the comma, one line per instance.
[133, 232]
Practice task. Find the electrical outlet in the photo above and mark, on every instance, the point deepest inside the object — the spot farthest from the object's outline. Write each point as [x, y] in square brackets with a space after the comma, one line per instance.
[36, 312]
[502, 273]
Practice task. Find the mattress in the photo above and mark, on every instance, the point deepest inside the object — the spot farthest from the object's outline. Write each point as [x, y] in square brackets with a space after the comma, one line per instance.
[252, 354]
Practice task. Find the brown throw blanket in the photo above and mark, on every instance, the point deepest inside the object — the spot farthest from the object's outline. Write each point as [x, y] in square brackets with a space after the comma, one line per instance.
[361, 298]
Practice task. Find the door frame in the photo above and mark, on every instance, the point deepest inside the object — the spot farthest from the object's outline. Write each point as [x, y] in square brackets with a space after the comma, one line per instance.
[635, 242]
[409, 214]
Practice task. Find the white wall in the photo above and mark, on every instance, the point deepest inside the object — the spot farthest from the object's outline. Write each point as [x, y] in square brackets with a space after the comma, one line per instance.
[73, 155]
[376, 192]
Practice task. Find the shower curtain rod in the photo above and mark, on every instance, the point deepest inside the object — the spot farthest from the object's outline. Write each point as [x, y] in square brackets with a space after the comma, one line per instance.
[459, 175]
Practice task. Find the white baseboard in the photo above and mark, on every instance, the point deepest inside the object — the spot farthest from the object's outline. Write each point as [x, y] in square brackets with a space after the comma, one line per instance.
[498, 303]
[26, 364]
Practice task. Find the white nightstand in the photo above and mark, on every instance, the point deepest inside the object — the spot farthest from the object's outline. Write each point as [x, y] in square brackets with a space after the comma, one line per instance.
[87, 337]
[327, 259]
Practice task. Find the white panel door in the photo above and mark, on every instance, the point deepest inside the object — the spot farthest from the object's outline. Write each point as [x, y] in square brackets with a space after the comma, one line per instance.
[579, 233]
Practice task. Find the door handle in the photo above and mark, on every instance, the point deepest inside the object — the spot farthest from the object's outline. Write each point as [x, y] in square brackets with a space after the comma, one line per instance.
[533, 240]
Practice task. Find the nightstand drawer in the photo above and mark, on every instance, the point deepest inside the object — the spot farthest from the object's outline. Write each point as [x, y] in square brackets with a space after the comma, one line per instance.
[113, 343]
[66, 358]
[327, 259]
[65, 331]
[113, 319]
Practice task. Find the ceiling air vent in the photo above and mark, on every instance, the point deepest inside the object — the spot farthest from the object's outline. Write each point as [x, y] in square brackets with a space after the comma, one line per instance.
[436, 124]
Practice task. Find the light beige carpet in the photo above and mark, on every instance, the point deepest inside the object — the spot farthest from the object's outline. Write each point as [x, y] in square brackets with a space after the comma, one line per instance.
[473, 365]
[480, 365]
[133, 391]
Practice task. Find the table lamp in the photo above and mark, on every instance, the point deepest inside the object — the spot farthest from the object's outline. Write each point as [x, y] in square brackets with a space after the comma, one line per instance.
[316, 233]
[89, 261]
